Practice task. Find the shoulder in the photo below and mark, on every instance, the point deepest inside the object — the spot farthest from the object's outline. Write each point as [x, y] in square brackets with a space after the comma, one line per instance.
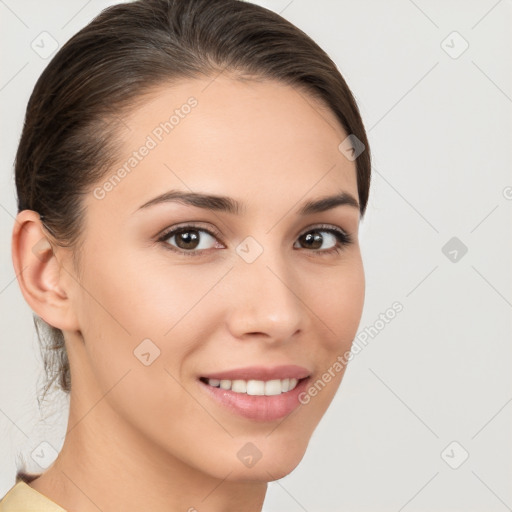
[23, 498]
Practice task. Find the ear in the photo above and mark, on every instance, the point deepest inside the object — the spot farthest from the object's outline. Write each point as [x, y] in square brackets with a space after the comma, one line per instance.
[43, 280]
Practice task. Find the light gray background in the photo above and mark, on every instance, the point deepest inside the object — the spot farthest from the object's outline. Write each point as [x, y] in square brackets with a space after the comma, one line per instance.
[440, 133]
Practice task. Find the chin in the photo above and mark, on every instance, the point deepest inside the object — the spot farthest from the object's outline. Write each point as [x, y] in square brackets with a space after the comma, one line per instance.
[275, 462]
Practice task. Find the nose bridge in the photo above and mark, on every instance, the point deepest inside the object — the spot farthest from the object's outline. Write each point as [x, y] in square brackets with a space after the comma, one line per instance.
[266, 299]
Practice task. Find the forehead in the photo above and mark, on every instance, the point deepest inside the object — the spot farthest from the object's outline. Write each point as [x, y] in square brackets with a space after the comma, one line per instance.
[262, 142]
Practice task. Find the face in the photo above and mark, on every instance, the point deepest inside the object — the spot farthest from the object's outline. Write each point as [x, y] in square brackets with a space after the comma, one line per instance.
[198, 315]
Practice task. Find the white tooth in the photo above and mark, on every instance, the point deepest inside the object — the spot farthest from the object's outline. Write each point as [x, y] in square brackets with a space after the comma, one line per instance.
[255, 387]
[239, 386]
[225, 384]
[273, 387]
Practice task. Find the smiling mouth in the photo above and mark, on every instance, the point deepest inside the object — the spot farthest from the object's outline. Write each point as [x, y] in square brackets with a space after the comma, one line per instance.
[254, 387]
[258, 393]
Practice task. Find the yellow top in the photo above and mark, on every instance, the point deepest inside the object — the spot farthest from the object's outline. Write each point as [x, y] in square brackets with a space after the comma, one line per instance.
[23, 498]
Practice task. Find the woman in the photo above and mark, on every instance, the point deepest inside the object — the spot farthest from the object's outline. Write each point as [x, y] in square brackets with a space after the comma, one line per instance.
[191, 177]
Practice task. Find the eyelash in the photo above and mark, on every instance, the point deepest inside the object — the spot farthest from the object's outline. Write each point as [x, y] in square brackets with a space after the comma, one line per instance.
[343, 239]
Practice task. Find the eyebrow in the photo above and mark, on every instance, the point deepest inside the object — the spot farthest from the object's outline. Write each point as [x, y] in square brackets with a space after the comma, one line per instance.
[230, 205]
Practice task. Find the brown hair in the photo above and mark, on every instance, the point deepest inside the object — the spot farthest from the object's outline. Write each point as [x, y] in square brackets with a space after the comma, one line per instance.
[73, 116]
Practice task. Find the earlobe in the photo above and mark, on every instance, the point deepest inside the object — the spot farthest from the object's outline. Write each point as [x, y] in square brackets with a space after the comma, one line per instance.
[42, 280]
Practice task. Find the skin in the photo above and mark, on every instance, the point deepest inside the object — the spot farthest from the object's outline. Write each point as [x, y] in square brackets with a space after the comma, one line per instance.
[148, 437]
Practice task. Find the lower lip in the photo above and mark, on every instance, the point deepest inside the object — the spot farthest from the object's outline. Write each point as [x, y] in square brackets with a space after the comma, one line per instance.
[260, 408]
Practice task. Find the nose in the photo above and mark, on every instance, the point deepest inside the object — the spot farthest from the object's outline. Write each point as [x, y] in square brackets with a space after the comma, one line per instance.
[266, 300]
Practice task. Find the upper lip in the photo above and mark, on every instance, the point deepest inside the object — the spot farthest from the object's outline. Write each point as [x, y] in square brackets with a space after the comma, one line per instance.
[289, 371]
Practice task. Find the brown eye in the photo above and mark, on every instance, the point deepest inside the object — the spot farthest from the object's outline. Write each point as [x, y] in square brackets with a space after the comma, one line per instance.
[324, 240]
[189, 239]
[314, 240]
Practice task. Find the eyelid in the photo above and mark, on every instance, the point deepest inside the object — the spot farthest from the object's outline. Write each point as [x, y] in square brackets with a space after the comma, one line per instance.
[320, 227]
[166, 233]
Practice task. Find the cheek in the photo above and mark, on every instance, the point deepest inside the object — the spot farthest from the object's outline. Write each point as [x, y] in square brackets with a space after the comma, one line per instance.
[156, 313]
[141, 299]
[338, 304]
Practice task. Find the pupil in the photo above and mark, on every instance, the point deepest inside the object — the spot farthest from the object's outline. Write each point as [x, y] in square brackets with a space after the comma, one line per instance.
[313, 240]
[187, 239]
